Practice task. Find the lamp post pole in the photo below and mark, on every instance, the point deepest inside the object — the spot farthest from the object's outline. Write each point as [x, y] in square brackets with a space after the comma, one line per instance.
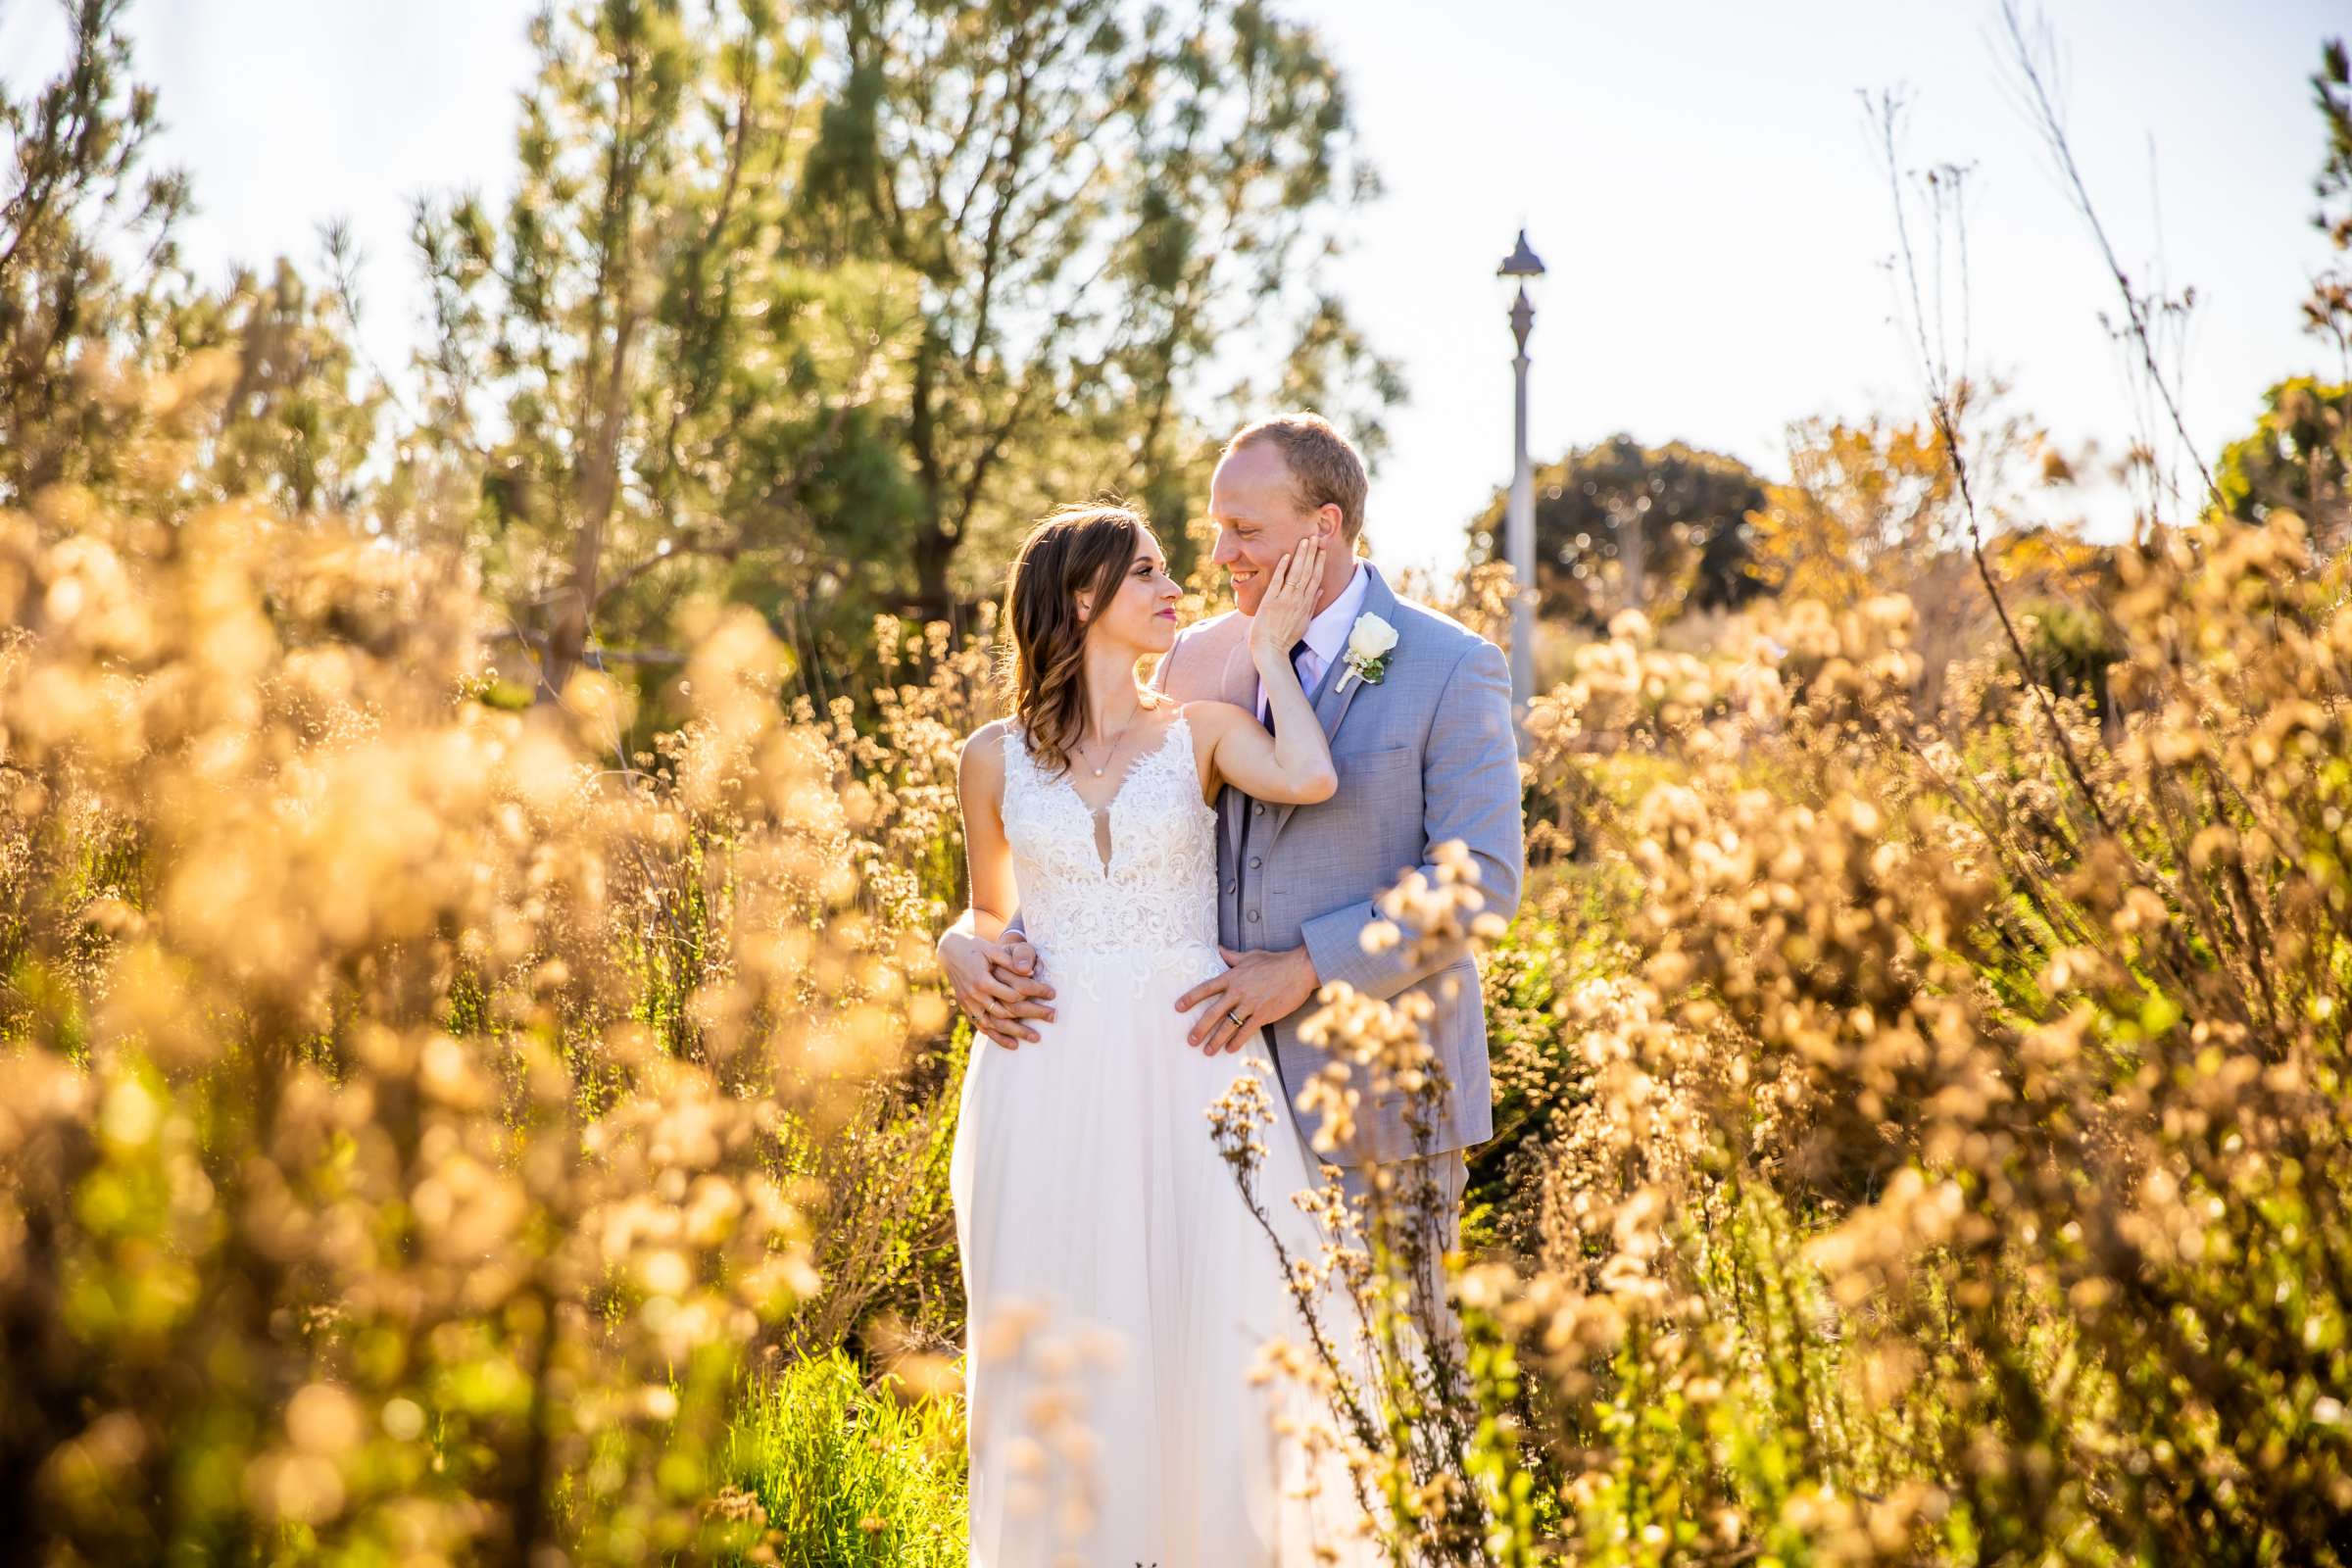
[1522, 529]
[1522, 269]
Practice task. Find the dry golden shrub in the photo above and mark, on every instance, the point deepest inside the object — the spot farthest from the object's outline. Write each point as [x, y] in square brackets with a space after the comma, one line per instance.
[407, 1105]
[1955, 1168]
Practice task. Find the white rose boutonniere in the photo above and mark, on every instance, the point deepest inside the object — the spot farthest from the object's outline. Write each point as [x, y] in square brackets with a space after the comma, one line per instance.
[1367, 656]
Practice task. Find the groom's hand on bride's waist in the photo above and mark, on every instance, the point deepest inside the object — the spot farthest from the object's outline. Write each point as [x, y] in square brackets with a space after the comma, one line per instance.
[1261, 988]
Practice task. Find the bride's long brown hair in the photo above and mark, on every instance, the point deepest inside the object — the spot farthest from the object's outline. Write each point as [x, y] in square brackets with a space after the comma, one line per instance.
[1074, 549]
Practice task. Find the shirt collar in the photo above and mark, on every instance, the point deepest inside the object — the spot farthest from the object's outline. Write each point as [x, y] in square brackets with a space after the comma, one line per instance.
[1327, 633]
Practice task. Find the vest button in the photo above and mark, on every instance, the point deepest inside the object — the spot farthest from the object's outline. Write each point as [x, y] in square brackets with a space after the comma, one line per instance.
[1253, 916]
[1255, 863]
[1233, 887]
[1258, 809]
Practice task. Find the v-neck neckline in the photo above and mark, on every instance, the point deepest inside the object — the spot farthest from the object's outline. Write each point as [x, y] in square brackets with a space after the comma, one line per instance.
[1100, 815]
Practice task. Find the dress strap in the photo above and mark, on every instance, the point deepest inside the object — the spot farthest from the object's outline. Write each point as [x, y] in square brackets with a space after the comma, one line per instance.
[1017, 761]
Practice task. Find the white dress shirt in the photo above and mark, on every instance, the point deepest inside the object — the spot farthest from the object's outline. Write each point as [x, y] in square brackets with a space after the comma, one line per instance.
[1325, 635]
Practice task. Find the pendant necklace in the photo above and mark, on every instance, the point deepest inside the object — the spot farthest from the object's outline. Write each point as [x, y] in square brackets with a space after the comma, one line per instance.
[1117, 742]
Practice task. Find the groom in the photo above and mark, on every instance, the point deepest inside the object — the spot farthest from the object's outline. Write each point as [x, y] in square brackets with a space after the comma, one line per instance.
[1425, 754]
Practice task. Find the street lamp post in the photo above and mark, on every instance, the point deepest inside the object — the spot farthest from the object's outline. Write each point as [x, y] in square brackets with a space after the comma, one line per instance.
[1520, 271]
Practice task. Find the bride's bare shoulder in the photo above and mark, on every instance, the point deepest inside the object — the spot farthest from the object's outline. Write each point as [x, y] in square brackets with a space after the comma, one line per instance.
[992, 733]
[982, 757]
[1211, 719]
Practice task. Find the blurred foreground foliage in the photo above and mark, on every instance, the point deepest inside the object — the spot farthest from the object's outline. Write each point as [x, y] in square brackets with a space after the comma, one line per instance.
[408, 1105]
[453, 1107]
[1955, 1163]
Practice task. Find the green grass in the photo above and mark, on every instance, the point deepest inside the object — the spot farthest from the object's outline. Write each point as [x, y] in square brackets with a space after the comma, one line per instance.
[848, 1474]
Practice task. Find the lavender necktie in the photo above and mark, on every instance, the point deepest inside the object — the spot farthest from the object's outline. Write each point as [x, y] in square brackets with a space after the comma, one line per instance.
[1297, 648]
[1241, 847]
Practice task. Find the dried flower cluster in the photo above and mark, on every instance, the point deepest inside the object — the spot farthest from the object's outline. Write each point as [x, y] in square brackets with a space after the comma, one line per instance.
[411, 1111]
[1954, 1161]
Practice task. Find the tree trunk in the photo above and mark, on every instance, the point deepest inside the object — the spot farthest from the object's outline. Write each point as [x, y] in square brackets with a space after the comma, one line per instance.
[600, 484]
[934, 553]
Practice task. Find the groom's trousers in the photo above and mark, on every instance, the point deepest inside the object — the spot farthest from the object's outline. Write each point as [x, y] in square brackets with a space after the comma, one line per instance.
[1449, 1172]
[1449, 1175]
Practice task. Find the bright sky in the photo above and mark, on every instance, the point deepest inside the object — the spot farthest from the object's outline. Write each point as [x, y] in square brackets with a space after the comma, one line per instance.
[1695, 174]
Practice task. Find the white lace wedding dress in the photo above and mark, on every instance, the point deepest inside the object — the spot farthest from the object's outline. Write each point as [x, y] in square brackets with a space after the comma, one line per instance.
[1119, 1287]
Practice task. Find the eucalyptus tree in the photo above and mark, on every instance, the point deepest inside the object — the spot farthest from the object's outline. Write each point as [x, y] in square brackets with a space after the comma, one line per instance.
[1118, 216]
[795, 304]
[631, 354]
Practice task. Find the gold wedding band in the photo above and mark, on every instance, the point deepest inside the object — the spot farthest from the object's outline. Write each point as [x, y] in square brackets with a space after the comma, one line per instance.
[1236, 1017]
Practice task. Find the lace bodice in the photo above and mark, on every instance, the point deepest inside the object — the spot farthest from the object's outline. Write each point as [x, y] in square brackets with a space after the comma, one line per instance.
[1158, 894]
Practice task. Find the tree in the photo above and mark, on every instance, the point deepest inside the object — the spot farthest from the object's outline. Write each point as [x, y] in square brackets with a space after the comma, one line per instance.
[1871, 507]
[1864, 504]
[802, 344]
[296, 420]
[1100, 203]
[106, 346]
[77, 202]
[2328, 313]
[2299, 458]
[1687, 507]
[634, 358]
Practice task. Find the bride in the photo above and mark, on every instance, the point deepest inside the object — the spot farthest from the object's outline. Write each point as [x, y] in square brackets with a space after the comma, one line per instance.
[1118, 1287]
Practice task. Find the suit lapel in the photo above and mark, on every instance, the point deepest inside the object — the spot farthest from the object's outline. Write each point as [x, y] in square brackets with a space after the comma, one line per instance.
[1330, 703]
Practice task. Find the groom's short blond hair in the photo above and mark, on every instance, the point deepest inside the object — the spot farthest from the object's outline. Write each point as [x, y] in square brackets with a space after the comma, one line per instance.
[1325, 467]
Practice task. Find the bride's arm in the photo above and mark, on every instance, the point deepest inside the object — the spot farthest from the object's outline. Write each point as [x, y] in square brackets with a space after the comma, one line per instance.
[996, 1005]
[1236, 750]
[1292, 765]
[988, 856]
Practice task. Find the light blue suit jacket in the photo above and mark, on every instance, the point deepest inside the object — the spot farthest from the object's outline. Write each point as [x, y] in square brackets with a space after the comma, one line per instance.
[1426, 755]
